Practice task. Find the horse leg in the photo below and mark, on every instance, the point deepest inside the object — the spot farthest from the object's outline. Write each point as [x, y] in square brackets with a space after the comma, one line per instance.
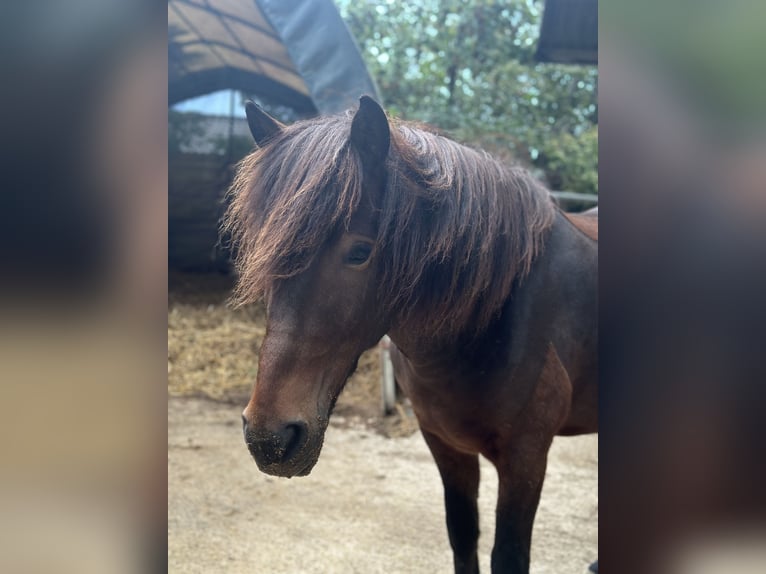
[460, 476]
[521, 473]
[521, 461]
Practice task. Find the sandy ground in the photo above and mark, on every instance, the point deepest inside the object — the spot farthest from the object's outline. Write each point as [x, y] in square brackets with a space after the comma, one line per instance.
[372, 504]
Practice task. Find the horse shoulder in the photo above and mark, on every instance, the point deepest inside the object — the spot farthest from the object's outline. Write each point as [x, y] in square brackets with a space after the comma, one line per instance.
[586, 222]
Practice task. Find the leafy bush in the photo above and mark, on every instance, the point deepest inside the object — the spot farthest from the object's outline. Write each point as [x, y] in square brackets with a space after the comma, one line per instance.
[468, 67]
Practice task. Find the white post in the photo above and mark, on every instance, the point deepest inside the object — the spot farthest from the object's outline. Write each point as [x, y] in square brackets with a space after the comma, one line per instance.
[387, 384]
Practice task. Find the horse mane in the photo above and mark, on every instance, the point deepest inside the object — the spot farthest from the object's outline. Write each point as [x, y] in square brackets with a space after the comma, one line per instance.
[456, 229]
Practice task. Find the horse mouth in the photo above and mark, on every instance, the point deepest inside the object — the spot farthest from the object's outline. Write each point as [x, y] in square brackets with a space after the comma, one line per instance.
[297, 461]
[288, 470]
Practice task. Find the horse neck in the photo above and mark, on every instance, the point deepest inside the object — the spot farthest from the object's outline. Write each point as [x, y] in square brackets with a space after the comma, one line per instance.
[421, 352]
[424, 348]
[565, 248]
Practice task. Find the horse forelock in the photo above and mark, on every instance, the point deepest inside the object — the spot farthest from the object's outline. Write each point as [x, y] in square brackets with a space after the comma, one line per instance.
[286, 199]
[456, 227]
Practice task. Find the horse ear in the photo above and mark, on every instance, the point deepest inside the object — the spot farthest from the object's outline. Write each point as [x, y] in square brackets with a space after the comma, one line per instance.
[370, 134]
[262, 125]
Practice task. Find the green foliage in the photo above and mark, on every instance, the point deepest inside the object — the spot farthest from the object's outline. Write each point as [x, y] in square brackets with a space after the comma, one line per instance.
[468, 67]
[569, 161]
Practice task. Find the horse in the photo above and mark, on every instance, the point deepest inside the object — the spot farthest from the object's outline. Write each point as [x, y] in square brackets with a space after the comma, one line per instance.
[354, 226]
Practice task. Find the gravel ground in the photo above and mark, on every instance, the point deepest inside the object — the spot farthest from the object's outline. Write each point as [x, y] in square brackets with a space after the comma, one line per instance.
[372, 504]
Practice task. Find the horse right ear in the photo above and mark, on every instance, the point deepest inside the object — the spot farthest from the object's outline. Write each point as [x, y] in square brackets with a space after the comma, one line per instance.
[370, 134]
[262, 125]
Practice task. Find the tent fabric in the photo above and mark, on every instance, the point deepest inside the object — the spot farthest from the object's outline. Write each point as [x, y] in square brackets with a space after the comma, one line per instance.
[296, 53]
[569, 32]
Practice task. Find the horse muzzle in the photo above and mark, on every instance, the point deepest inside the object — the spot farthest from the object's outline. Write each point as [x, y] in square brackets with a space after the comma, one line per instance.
[287, 451]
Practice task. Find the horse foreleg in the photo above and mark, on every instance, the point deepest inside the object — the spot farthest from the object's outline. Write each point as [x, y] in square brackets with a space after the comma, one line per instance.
[521, 473]
[520, 459]
[460, 476]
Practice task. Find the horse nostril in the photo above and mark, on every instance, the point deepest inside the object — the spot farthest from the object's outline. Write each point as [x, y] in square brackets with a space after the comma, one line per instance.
[293, 437]
[280, 447]
[244, 423]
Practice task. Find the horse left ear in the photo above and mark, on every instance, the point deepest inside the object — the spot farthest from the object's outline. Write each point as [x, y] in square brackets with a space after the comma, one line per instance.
[370, 134]
[262, 125]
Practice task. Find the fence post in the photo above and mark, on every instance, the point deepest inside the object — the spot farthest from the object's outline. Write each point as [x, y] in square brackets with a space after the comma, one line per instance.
[387, 383]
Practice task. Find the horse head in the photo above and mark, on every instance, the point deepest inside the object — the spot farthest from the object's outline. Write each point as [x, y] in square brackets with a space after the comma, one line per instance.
[321, 318]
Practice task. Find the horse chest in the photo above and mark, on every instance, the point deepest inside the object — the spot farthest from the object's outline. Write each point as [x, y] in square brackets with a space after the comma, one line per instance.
[462, 411]
[459, 425]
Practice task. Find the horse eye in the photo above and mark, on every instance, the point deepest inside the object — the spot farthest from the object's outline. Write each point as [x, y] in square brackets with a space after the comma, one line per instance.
[358, 254]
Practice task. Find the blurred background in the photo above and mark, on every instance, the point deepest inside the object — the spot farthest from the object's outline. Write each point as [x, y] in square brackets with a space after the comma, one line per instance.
[682, 174]
[83, 279]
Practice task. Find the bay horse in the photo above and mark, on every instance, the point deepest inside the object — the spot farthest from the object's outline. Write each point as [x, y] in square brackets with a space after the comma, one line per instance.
[355, 226]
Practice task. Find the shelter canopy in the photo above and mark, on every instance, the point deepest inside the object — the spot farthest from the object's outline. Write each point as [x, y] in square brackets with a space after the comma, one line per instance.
[291, 52]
